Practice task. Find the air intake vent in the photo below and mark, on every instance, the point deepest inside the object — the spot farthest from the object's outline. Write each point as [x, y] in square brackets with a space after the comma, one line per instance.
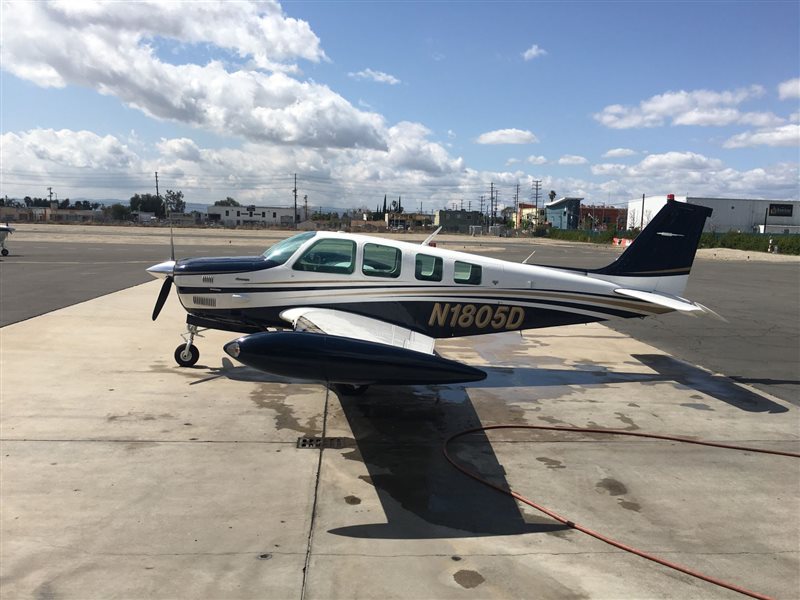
[204, 301]
[208, 279]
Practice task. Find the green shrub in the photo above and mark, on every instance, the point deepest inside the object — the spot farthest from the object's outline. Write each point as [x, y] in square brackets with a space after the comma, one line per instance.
[755, 242]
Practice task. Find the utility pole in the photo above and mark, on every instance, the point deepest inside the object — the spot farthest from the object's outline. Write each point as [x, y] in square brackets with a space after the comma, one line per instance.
[491, 203]
[641, 225]
[305, 201]
[50, 194]
[482, 213]
[462, 204]
[294, 215]
[157, 195]
[537, 186]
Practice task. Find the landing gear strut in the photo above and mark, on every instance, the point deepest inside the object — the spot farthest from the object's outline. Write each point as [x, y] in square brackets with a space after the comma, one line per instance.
[187, 355]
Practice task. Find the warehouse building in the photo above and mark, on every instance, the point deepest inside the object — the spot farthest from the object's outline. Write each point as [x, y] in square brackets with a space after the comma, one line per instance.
[232, 216]
[746, 215]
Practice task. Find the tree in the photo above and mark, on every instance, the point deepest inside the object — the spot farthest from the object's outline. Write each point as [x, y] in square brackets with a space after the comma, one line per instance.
[227, 202]
[174, 201]
[120, 212]
[552, 195]
[147, 203]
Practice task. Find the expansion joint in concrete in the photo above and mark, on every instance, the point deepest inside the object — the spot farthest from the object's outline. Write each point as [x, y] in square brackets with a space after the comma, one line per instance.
[316, 498]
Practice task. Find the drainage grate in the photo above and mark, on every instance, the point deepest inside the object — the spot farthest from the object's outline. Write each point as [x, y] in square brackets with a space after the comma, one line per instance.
[335, 443]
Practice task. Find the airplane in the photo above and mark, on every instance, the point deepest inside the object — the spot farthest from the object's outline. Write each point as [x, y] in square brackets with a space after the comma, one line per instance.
[5, 230]
[353, 310]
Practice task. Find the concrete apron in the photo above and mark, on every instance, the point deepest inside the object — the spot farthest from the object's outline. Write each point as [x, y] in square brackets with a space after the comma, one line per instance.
[126, 476]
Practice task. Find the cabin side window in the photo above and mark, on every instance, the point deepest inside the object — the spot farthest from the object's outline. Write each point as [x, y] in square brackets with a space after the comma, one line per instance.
[381, 261]
[428, 268]
[467, 273]
[328, 256]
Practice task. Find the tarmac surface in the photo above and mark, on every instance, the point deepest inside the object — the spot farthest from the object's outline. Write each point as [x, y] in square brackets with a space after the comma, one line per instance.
[124, 476]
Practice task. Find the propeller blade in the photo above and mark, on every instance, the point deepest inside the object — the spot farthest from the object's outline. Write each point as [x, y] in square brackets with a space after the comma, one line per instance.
[162, 297]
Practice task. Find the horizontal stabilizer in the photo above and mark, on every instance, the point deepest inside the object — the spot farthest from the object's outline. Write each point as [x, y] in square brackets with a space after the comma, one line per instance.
[671, 302]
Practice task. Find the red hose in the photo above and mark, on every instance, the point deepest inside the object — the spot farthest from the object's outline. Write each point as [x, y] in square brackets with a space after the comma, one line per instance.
[596, 534]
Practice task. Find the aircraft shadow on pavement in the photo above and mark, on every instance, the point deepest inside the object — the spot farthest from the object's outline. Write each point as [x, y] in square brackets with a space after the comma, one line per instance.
[717, 386]
[399, 433]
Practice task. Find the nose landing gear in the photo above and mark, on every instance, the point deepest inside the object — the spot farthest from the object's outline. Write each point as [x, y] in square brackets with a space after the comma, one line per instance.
[187, 355]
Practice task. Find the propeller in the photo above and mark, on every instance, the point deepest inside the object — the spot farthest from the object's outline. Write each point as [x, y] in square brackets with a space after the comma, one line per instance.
[162, 296]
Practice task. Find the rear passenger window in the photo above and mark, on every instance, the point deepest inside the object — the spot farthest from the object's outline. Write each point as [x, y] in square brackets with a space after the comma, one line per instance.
[328, 256]
[467, 273]
[428, 268]
[381, 261]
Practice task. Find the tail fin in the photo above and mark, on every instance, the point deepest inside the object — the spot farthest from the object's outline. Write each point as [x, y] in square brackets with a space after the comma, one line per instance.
[666, 247]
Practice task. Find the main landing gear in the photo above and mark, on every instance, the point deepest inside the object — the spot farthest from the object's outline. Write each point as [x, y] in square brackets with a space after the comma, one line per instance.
[187, 355]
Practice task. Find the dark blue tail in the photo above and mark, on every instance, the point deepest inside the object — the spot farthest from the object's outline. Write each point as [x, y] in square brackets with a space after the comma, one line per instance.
[666, 246]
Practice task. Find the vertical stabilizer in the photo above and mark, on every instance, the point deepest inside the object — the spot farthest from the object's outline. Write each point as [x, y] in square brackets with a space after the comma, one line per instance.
[666, 247]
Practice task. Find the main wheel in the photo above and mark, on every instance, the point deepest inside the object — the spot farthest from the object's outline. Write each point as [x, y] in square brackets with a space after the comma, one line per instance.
[5, 252]
[184, 358]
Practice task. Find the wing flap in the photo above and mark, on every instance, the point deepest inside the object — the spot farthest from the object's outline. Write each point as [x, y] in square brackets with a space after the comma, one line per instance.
[349, 325]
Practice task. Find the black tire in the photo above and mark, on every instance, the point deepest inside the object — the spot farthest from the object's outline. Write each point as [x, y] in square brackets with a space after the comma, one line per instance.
[187, 361]
[346, 389]
[5, 252]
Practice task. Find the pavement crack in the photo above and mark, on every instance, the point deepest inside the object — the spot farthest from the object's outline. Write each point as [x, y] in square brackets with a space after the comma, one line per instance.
[316, 498]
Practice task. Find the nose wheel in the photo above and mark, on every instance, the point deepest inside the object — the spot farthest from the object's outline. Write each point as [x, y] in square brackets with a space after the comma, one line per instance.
[187, 354]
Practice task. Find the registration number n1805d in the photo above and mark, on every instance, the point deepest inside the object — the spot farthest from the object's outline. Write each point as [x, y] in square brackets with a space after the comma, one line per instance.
[481, 316]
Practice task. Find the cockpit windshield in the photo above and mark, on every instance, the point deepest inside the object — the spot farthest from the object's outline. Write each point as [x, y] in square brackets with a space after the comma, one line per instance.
[283, 250]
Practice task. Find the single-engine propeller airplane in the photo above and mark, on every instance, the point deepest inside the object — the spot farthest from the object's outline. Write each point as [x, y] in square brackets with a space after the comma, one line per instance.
[5, 230]
[354, 310]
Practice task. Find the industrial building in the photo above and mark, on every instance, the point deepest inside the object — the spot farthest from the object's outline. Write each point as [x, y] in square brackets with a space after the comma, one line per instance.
[746, 215]
[563, 213]
[232, 216]
[457, 221]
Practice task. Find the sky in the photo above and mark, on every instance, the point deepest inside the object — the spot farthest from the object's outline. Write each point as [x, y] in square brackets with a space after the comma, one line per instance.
[433, 102]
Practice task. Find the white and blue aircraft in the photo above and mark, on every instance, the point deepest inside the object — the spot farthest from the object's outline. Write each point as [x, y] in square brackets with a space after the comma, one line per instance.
[355, 310]
[5, 230]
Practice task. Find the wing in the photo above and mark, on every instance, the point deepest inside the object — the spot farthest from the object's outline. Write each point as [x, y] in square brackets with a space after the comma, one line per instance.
[336, 322]
[340, 347]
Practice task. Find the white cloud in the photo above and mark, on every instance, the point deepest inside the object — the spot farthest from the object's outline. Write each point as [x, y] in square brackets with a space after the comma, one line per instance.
[619, 153]
[609, 169]
[787, 135]
[42, 149]
[572, 159]
[533, 52]
[536, 160]
[181, 148]
[507, 136]
[699, 107]
[377, 76]
[103, 47]
[789, 89]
